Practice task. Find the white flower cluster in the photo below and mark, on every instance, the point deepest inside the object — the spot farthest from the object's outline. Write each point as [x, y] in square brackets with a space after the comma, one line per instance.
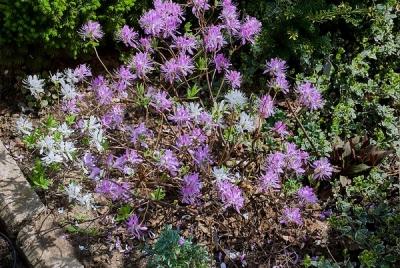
[67, 81]
[74, 193]
[235, 98]
[57, 151]
[35, 85]
[195, 109]
[222, 173]
[246, 123]
[96, 133]
[24, 126]
[68, 77]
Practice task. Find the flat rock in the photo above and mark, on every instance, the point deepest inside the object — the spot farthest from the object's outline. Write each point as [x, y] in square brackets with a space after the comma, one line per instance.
[44, 246]
[18, 201]
[26, 218]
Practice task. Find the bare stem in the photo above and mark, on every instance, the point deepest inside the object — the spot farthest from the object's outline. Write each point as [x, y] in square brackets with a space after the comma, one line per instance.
[102, 63]
[301, 126]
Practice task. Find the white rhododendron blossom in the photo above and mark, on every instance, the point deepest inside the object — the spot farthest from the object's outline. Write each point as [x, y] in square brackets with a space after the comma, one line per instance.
[35, 85]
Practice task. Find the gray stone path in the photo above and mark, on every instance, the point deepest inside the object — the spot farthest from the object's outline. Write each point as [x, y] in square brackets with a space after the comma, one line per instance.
[26, 218]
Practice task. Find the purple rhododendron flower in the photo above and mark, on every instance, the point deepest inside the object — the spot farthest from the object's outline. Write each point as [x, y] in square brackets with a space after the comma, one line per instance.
[91, 30]
[163, 20]
[140, 133]
[135, 227]
[128, 36]
[119, 163]
[249, 30]
[184, 140]
[276, 67]
[185, 64]
[230, 16]
[185, 44]
[133, 157]
[295, 158]
[292, 215]
[95, 173]
[281, 83]
[181, 115]
[114, 118]
[266, 108]
[322, 169]
[181, 241]
[230, 194]
[280, 128]
[160, 100]
[175, 68]
[310, 96]
[275, 162]
[113, 190]
[129, 157]
[191, 188]
[234, 78]
[306, 195]
[221, 63]
[169, 162]
[213, 39]
[170, 70]
[142, 63]
[145, 44]
[270, 181]
[124, 76]
[198, 135]
[199, 6]
[104, 94]
[82, 71]
[109, 161]
[205, 118]
[69, 106]
[89, 162]
[201, 155]
[152, 22]
[98, 81]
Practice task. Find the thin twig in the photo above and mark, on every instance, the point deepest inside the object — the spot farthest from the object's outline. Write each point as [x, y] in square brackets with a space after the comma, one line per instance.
[302, 127]
[102, 63]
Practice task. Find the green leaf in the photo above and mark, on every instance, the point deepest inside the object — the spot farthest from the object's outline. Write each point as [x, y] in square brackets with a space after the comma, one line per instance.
[70, 119]
[123, 213]
[38, 177]
[187, 27]
[192, 92]
[158, 194]
[51, 122]
[202, 64]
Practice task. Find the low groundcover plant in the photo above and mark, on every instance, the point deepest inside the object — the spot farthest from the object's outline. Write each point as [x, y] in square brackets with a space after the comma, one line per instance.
[171, 137]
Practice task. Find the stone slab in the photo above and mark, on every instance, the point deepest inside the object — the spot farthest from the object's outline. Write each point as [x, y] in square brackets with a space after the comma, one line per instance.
[18, 201]
[26, 218]
[44, 246]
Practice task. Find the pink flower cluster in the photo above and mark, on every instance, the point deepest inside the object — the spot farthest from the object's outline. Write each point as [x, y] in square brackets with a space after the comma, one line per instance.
[139, 123]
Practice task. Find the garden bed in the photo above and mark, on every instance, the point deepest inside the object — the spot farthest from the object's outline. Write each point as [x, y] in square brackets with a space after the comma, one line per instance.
[168, 160]
[37, 238]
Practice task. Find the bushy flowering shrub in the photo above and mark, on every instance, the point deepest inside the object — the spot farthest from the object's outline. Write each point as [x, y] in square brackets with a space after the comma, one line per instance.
[174, 116]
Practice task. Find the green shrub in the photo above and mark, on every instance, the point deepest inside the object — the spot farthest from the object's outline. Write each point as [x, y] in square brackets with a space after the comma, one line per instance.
[367, 220]
[171, 250]
[350, 49]
[39, 29]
